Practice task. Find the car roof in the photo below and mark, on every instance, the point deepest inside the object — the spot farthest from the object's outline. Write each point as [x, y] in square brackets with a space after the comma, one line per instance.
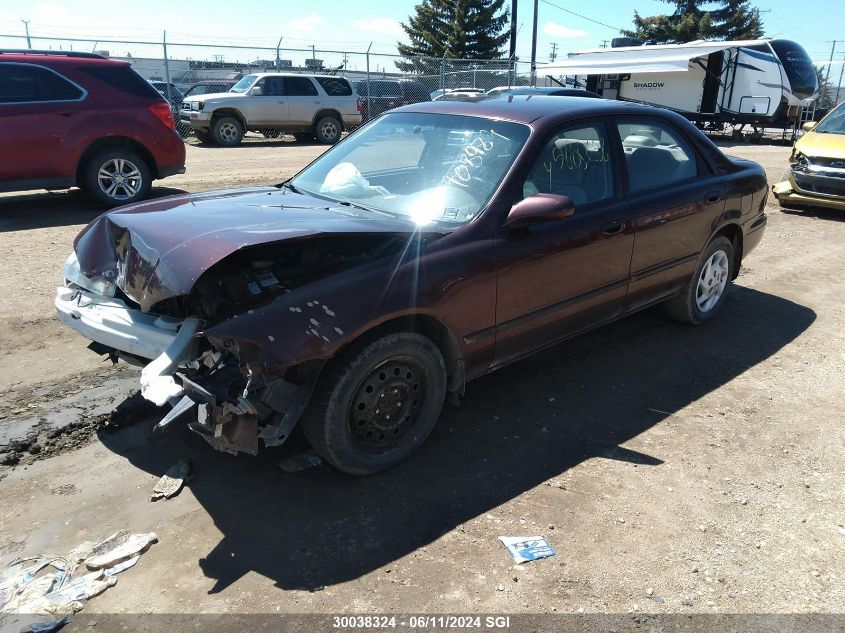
[531, 108]
[28, 56]
[275, 74]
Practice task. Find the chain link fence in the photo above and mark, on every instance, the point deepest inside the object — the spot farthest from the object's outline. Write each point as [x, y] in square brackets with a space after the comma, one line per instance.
[177, 67]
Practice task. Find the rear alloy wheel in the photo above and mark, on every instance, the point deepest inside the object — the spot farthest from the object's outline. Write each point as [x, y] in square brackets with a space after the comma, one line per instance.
[117, 176]
[227, 131]
[328, 130]
[702, 296]
[377, 403]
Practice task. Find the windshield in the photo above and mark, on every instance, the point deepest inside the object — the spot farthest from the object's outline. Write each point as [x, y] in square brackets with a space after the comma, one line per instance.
[834, 122]
[379, 88]
[426, 167]
[244, 84]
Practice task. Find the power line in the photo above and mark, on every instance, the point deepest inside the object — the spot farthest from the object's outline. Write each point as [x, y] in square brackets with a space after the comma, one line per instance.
[583, 17]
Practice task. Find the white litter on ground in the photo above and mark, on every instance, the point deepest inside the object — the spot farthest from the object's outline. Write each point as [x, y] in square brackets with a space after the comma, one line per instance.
[40, 593]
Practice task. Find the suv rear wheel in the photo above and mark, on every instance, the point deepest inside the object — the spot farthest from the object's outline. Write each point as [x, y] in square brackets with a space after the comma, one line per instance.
[328, 130]
[116, 176]
[227, 131]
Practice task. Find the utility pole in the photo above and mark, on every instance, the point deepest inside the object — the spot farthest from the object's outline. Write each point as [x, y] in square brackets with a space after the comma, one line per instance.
[839, 85]
[26, 27]
[514, 30]
[553, 54]
[829, 64]
[278, 61]
[534, 47]
[603, 44]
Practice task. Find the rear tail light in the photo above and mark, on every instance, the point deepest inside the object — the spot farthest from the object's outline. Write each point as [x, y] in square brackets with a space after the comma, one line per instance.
[161, 111]
[361, 106]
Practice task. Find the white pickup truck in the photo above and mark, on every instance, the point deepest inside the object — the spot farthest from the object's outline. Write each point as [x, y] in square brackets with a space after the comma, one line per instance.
[307, 106]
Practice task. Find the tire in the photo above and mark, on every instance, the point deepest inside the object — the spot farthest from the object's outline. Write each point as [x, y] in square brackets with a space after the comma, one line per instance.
[116, 176]
[348, 421]
[328, 130]
[692, 304]
[227, 131]
[203, 136]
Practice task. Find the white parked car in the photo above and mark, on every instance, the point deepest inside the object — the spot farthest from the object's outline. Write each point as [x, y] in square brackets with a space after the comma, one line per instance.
[307, 106]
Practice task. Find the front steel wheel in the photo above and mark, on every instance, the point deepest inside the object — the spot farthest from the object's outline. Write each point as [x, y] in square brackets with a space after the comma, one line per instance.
[376, 403]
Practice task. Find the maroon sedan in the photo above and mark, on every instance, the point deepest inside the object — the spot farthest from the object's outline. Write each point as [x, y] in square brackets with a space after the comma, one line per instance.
[434, 245]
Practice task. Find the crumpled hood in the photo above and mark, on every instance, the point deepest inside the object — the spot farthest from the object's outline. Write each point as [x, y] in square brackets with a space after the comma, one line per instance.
[159, 249]
[822, 145]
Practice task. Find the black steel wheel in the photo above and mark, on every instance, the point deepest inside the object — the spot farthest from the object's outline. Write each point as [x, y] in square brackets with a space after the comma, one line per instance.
[377, 403]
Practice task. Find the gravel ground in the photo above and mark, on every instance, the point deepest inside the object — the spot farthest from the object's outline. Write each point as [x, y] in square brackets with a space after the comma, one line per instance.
[674, 469]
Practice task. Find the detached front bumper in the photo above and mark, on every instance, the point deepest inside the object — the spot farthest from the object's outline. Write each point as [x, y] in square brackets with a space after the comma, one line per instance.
[114, 324]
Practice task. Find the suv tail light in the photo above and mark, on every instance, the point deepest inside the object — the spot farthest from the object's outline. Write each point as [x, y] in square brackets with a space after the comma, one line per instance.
[361, 106]
[161, 110]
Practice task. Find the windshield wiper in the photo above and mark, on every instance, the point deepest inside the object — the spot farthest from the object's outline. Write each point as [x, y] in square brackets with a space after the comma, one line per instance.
[287, 185]
[355, 205]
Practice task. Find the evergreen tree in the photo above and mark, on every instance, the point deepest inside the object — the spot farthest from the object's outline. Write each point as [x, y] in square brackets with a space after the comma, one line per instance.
[458, 29]
[700, 20]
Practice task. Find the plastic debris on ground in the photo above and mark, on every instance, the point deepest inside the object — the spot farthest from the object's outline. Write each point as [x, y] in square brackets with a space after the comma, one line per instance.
[172, 481]
[527, 548]
[41, 593]
[119, 547]
[301, 461]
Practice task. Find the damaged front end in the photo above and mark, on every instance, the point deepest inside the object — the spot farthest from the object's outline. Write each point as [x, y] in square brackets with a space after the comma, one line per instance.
[812, 181]
[230, 403]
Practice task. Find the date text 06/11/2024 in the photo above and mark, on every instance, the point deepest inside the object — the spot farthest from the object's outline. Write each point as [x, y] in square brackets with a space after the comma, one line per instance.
[421, 622]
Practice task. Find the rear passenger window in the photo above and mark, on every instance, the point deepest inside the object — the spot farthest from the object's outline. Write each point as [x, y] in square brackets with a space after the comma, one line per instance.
[123, 78]
[335, 86]
[299, 87]
[575, 163]
[22, 83]
[656, 155]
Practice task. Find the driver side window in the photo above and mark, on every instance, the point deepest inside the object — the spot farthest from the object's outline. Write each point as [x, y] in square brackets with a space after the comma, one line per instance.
[577, 163]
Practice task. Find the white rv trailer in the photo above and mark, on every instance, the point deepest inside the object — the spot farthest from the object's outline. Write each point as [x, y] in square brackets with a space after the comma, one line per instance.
[761, 82]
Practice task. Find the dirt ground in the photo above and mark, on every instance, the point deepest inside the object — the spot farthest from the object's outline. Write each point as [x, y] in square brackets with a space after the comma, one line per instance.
[673, 469]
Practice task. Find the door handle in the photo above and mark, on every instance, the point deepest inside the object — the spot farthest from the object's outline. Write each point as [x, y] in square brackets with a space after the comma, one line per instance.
[712, 197]
[613, 228]
[66, 114]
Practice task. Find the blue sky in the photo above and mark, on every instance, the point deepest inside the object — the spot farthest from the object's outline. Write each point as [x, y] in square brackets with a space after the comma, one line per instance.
[352, 26]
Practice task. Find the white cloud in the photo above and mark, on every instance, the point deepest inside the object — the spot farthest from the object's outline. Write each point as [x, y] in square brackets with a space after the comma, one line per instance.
[307, 23]
[378, 24]
[561, 30]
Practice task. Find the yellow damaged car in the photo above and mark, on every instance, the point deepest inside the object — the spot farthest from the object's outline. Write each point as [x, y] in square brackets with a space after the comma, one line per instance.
[817, 166]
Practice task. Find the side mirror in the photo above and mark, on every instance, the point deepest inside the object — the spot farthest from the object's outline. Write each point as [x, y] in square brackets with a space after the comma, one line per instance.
[256, 92]
[808, 126]
[540, 207]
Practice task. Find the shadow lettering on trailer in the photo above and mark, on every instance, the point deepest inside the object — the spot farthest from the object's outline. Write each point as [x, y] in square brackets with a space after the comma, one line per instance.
[516, 428]
[56, 208]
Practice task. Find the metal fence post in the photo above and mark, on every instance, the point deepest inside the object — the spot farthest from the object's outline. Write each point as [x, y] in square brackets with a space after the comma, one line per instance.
[166, 68]
[443, 74]
[369, 92]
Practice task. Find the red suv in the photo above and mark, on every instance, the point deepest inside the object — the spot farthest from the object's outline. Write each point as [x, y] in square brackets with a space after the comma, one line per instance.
[81, 120]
